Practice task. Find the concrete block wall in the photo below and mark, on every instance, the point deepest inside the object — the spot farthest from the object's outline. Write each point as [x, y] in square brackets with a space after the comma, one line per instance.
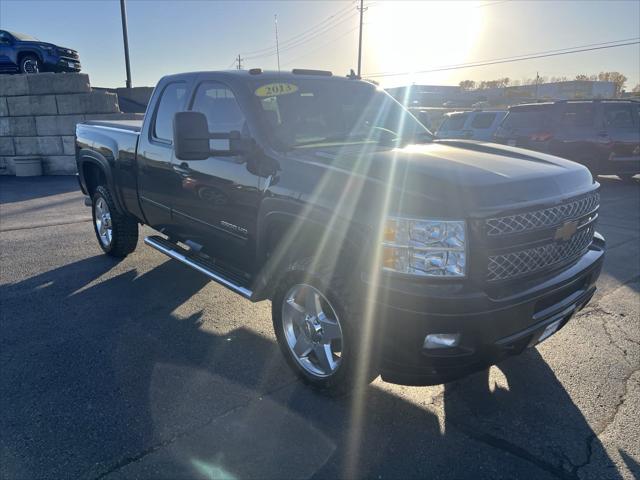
[38, 117]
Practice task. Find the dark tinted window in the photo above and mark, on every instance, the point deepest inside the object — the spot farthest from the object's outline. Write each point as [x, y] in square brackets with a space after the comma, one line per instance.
[527, 117]
[578, 115]
[483, 120]
[5, 39]
[618, 116]
[454, 122]
[172, 101]
[219, 105]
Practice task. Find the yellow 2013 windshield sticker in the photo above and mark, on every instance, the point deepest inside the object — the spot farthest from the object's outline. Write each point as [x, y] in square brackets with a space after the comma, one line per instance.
[275, 89]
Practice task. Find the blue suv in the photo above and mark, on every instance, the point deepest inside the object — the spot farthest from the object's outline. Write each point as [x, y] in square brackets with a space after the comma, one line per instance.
[21, 53]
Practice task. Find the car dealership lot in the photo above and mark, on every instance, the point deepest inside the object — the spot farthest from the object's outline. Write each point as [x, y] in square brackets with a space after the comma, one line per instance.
[142, 368]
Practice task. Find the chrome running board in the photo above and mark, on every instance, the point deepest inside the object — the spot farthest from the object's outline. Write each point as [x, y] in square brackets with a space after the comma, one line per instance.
[183, 256]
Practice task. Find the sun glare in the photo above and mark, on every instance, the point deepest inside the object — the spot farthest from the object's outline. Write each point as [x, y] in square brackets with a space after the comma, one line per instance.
[413, 36]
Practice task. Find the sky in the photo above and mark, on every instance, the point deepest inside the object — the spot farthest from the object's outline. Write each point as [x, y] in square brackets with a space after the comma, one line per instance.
[405, 37]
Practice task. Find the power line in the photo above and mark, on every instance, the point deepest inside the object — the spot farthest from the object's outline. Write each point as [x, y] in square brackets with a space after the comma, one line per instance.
[517, 58]
[303, 41]
[303, 33]
[311, 52]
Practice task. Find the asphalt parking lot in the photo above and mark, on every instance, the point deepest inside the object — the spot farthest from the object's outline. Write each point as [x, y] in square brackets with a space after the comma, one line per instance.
[143, 369]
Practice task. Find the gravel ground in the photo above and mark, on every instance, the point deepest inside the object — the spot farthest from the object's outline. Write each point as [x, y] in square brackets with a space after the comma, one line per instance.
[143, 369]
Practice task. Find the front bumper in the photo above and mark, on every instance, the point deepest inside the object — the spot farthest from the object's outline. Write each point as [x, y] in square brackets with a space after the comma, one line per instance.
[53, 63]
[491, 327]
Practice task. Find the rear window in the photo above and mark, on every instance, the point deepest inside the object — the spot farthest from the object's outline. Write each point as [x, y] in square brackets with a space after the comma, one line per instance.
[531, 117]
[454, 122]
[483, 120]
[619, 116]
[578, 115]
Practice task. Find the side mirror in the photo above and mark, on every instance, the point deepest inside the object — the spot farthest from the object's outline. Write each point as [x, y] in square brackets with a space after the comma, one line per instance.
[191, 138]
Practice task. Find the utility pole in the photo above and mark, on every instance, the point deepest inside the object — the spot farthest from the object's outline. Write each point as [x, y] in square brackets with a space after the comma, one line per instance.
[537, 77]
[239, 62]
[125, 36]
[277, 44]
[360, 39]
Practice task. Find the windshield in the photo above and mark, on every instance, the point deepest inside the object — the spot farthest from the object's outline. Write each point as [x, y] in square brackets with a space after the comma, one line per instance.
[314, 113]
[24, 38]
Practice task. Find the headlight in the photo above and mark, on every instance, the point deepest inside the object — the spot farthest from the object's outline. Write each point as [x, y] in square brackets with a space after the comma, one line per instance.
[425, 247]
[49, 50]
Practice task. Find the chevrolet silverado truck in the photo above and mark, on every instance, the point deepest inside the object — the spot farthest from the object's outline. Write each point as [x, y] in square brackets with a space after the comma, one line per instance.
[383, 251]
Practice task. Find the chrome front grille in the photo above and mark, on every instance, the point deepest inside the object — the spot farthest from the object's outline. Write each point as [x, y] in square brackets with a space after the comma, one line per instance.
[523, 262]
[543, 218]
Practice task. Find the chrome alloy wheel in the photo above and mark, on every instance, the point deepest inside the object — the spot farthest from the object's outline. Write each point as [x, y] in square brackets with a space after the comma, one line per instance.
[31, 66]
[312, 330]
[102, 220]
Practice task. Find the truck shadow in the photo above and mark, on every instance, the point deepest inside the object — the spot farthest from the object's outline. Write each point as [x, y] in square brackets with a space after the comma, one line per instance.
[20, 189]
[124, 376]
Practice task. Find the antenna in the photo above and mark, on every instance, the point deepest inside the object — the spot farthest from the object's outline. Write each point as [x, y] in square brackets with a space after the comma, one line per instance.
[277, 44]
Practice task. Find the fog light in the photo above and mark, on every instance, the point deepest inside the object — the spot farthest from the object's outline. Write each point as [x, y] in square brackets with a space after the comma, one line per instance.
[441, 340]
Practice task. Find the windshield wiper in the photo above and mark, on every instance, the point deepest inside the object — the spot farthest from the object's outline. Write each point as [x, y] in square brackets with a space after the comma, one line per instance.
[329, 139]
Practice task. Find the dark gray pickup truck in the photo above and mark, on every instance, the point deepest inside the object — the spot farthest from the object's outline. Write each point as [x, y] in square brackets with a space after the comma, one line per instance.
[382, 250]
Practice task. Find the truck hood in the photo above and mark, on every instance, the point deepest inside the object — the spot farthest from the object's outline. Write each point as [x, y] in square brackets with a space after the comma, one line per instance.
[460, 176]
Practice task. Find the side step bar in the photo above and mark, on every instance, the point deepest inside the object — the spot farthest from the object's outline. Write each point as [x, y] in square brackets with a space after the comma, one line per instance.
[182, 255]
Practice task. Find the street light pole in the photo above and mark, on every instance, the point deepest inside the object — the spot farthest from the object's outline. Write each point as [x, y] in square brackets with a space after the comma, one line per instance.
[125, 36]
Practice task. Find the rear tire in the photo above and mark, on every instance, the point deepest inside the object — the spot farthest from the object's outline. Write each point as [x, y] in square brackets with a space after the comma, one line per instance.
[30, 64]
[117, 233]
[339, 330]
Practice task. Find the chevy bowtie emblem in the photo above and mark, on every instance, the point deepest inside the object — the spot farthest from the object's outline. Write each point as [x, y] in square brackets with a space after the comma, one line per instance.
[566, 231]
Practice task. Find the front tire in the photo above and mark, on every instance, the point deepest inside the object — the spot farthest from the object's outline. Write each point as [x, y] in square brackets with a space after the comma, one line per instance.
[30, 64]
[117, 233]
[316, 322]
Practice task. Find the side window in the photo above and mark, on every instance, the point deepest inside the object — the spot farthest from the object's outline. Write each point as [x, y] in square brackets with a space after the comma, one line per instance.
[4, 39]
[172, 101]
[483, 120]
[454, 122]
[578, 115]
[618, 116]
[219, 105]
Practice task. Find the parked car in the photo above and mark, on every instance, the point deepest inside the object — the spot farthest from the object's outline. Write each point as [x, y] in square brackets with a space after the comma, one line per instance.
[475, 125]
[603, 135]
[20, 53]
[381, 250]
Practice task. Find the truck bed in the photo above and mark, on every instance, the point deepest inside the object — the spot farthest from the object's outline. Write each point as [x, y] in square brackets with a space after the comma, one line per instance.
[130, 125]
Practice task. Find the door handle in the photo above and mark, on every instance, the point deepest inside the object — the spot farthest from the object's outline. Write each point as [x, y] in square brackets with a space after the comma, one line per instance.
[182, 169]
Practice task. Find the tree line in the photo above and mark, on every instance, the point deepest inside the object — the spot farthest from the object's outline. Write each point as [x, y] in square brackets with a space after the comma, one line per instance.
[616, 77]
